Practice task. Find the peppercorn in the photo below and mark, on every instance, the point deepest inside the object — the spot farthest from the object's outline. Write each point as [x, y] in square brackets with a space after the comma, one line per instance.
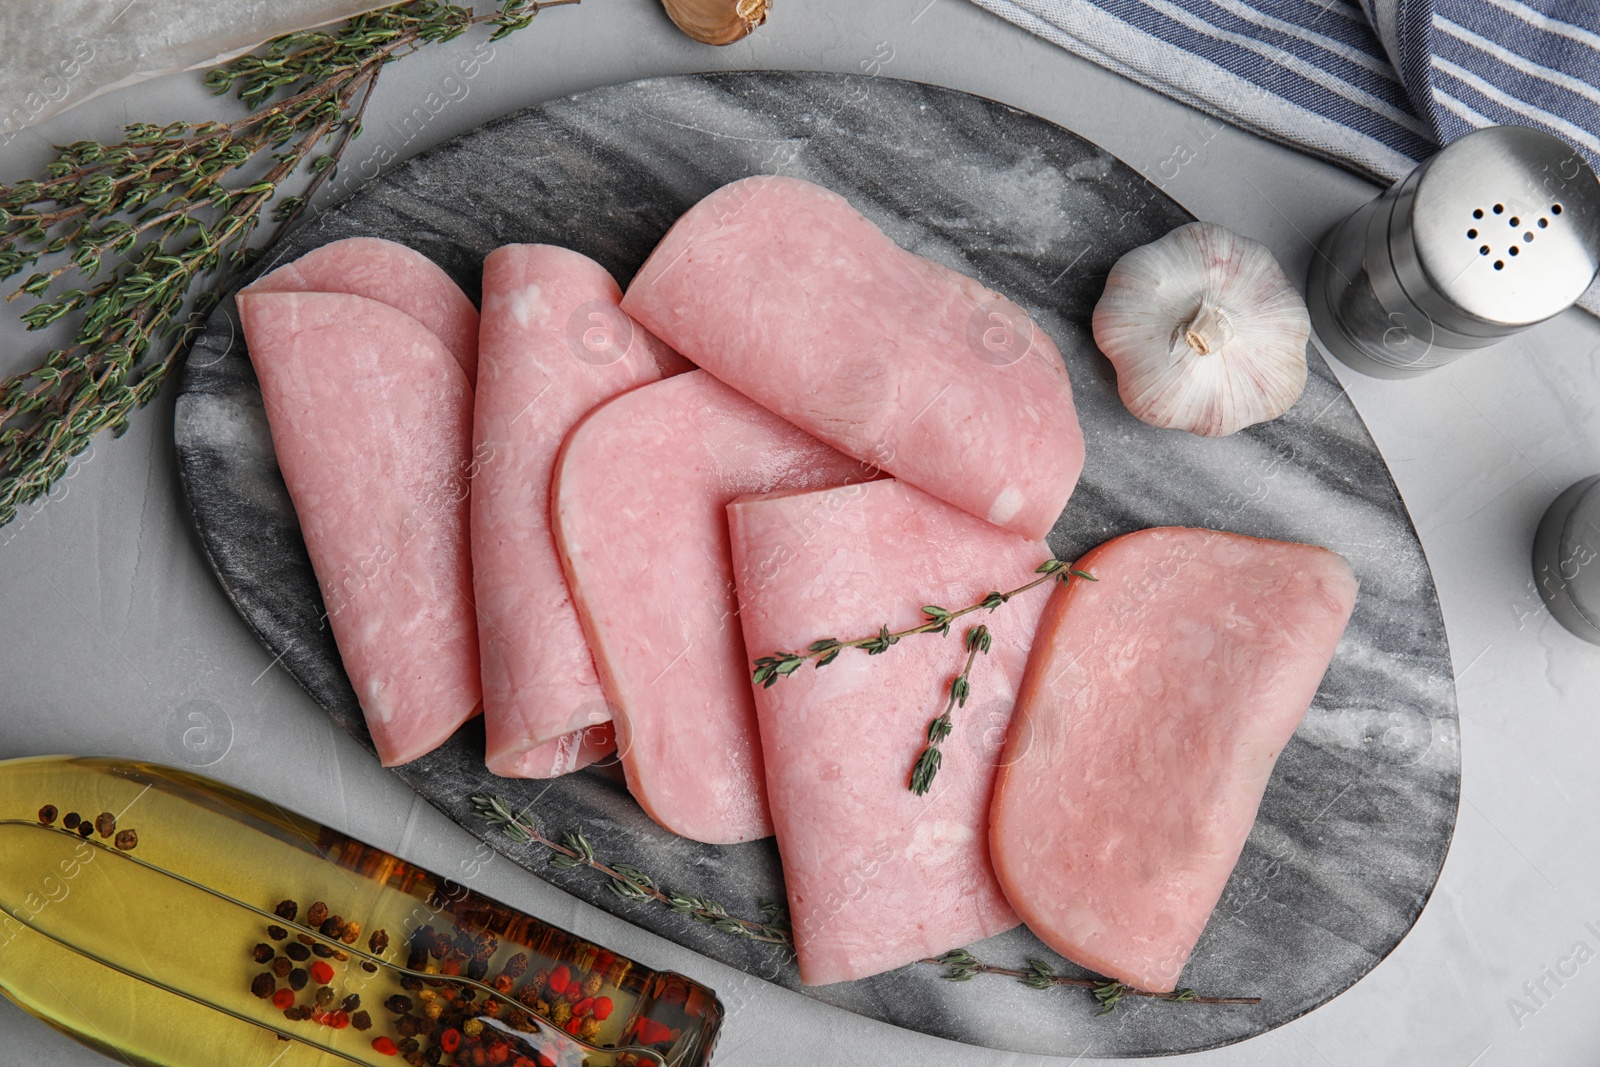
[305, 939]
[317, 914]
[541, 1008]
[361, 1020]
[378, 943]
[127, 840]
[451, 967]
[592, 985]
[417, 960]
[295, 950]
[263, 985]
[409, 1045]
[283, 998]
[407, 1025]
[263, 952]
[85, 828]
[342, 957]
[339, 1020]
[501, 983]
[574, 1024]
[324, 996]
[369, 966]
[477, 969]
[322, 972]
[602, 1008]
[472, 1027]
[432, 1055]
[298, 979]
[332, 926]
[410, 983]
[433, 1009]
[281, 967]
[450, 1040]
[351, 1003]
[105, 824]
[286, 909]
[277, 933]
[47, 814]
[584, 1006]
[383, 1046]
[429, 994]
[322, 950]
[561, 1013]
[398, 1004]
[351, 931]
[590, 1030]
[72, 820]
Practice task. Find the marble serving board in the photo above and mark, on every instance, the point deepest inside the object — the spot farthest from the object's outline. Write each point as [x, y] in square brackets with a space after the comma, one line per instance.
[1360, 810]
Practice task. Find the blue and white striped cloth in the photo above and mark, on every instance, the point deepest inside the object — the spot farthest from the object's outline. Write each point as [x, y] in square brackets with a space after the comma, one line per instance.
[1375, 85]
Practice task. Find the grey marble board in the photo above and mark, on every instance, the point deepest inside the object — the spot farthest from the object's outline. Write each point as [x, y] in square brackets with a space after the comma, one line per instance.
[1359, 813]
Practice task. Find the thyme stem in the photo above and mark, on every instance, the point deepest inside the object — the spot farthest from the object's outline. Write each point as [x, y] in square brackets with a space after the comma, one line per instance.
[927, 765]
[962, 965]
[627, 881]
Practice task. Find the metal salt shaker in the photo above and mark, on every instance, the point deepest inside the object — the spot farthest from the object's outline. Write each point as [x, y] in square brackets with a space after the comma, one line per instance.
[1566, 559]
[1496, 232]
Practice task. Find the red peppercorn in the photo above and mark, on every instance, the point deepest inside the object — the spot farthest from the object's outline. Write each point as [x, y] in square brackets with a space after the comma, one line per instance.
[450, 967]
[283, 998]
[322, 971]
[560, 980]
[584, 1006]
[339, 1020]
[450, 1040]
[573, 1024]
[384, 1047]
[499, 1054]
[602, 1008]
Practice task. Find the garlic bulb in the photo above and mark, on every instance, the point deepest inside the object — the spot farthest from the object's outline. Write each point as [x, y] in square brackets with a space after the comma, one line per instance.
[717, 21]
[1206, 333]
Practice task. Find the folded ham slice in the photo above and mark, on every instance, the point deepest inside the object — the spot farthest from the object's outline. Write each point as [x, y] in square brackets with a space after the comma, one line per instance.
[1156, 701]
[638, 506]
[371, 420]
[553, 344]
[391, 274]
[784, 291]
[877, 876]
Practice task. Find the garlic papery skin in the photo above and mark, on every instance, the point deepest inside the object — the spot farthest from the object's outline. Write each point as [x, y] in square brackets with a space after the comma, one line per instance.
[1205, 331]
[717, 21]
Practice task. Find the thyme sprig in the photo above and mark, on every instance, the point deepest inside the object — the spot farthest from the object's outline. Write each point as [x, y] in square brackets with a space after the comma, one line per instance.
[124, 239]
[768, 669]
[962, 966]
[927, 765]
[629, 882]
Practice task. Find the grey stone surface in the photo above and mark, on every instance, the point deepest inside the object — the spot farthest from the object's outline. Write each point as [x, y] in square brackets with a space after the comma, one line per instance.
[1359, 814]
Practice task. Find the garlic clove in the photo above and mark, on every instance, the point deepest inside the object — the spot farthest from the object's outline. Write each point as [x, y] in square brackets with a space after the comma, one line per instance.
[717, 21]
[1205, 331]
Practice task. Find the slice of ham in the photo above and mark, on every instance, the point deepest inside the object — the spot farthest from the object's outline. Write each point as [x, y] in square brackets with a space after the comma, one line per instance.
[553, 344]
[1156, 702]
[638, 507]
[371, 420]
[877, 876]
[391, 274]
[784, 291]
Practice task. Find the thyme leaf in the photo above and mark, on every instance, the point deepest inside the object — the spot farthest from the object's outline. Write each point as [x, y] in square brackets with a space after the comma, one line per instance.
[962, 966]
[928, 763]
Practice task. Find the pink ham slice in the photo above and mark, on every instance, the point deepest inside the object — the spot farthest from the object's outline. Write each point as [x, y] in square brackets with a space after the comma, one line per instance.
[1156, 702]
[877, 876]
[391, 274]
[638, 505]
[784, 291]
[553, 344]
[371, 420]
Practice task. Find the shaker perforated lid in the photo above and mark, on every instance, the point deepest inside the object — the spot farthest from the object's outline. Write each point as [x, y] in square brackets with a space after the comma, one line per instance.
[1498, 231]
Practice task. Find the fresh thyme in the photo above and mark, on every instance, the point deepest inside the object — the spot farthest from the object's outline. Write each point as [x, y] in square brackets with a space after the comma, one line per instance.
[927, 765]
[629, 882]
[961, 966]
[768, 669]
[124, 237]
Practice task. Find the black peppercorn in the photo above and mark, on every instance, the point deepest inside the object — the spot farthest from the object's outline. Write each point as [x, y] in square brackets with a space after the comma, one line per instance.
[411, 983]
[361, 1021]
[407, 1025]
[47, 815]
[324, 996]
[298, 979]
[516, 966]
[433, 1055]
[322, 950]
[85, 828]
[398, 1004]
[263, 952]
[332, 927]
[369, 966]
[378, 942]
[305, 939]
[277, 933]
[286, 909]
[72, 820]
[296, 951]
[105, 824]
[408, 1045]
[281, 967]
[317, 914]
[417, 960]
[263, 986]
[477, 969]
[351, 1003]
[127, 840]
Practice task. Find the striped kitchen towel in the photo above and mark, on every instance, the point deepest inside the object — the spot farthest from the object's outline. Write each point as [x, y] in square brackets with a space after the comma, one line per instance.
[1374, 85]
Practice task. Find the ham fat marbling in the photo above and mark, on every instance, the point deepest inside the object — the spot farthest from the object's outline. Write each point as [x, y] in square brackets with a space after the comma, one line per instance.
[1155, 704]
[553, 344]
[371, 420]
[784, 291]
[877, 876]
[391, 274]
[638, 506]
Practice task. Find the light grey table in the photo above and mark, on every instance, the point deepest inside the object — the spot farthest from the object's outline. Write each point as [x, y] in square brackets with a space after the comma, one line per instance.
[112, 629]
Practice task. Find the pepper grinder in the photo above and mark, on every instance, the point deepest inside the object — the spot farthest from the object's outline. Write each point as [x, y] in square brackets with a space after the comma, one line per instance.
[1566, 559]
[1496, 232]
